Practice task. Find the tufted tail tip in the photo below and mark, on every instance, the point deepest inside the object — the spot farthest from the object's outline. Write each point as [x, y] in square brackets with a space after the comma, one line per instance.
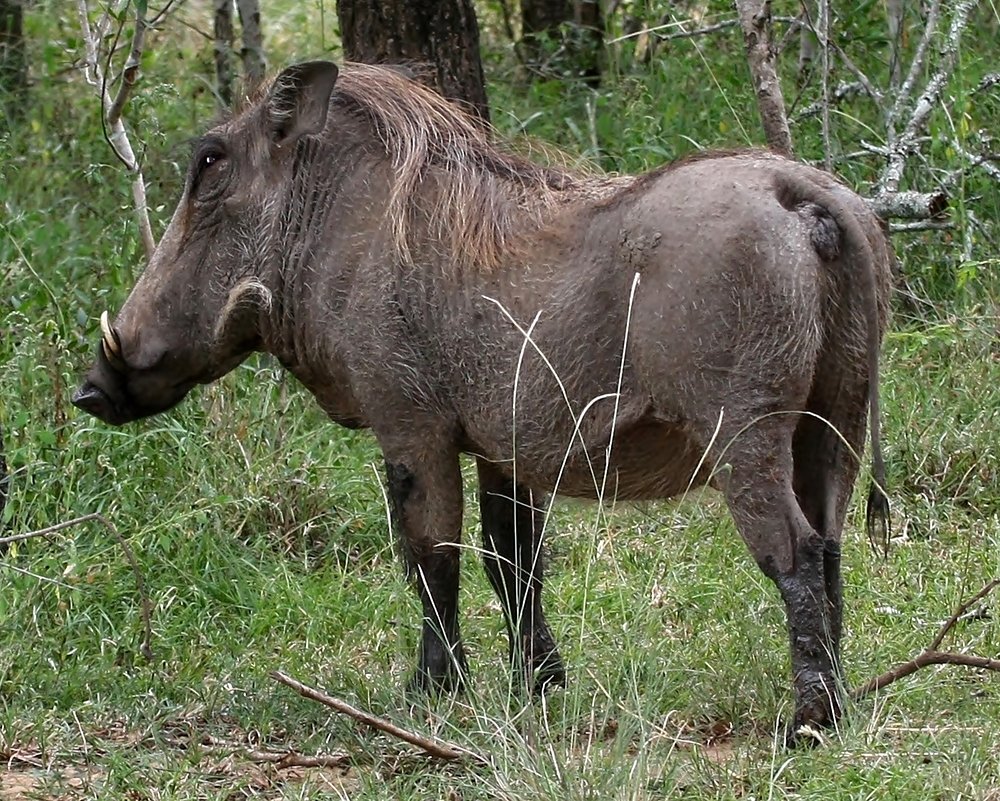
[877, 521]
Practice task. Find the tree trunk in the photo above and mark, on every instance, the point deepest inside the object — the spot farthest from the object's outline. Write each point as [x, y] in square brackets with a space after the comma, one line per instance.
[223, 39]
[13, 63]
[589, 44]
[254, 63]
[755, 19]
[563, 37]
[442, 34]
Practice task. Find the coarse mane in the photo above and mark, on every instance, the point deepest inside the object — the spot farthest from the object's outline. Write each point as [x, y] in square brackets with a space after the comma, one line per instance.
[485, 199]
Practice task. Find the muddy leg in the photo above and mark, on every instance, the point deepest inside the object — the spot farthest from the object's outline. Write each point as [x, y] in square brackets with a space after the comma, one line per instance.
[795, 557]
[513, 561]
[425, 501]
[825, 472]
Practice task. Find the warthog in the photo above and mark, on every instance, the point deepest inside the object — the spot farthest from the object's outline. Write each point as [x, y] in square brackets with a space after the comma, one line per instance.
[716, 321]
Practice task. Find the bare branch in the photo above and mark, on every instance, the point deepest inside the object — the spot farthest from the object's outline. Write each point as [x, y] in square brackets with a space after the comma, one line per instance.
[708, 29]
[755, 20]
[916, 67]
[434, 748]
[842, 92]
[147, 647]
[931, 656]
[824, 27]
[823, 34]
[117, 136]
[949, 624]
[131, 70]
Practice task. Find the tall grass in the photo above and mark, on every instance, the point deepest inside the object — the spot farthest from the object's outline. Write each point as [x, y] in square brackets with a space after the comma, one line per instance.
[262, 533]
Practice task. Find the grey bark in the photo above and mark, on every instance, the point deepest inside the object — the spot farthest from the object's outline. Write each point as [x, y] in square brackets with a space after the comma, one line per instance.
[444, 35]
[13, 62]
[254, 62]
[755, 20]
[223, 47]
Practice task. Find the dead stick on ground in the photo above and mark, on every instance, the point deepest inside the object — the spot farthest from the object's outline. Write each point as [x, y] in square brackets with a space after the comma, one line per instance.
[280, 759]
[931, 656]
[436, 748]
[147, 634]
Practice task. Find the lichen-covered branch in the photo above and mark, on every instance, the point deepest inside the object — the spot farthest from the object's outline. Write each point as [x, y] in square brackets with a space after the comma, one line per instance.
[755, 20]
[909, 205]
[901, 146]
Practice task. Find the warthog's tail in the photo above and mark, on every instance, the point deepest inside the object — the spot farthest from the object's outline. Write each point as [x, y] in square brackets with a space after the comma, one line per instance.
[792, 191]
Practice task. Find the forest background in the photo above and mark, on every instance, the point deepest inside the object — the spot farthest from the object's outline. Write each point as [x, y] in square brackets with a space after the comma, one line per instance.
[259, 529]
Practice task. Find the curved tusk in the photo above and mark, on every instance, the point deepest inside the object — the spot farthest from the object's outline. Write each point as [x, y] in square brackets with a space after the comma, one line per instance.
[108, 337]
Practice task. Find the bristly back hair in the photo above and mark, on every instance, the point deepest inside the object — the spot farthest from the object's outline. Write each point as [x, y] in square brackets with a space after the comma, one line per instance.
[486, 198]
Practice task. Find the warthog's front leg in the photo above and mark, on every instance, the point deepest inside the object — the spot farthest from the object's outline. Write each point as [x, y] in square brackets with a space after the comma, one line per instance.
[425, 501]
[512, 555]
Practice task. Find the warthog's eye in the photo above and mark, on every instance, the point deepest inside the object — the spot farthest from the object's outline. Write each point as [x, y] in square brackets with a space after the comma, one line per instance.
[208, 162]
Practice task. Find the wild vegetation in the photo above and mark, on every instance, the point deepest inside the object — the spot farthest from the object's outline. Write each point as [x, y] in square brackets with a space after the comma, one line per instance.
[261, 529]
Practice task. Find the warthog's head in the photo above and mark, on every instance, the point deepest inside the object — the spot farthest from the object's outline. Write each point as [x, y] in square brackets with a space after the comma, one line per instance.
[196, 312]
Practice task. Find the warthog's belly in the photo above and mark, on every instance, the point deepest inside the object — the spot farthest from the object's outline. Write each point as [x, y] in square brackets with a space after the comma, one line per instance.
[649, 460]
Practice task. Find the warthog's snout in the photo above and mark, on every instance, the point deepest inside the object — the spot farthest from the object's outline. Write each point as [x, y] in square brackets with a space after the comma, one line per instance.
[124, 386]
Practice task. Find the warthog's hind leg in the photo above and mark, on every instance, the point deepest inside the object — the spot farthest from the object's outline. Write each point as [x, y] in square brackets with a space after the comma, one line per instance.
[425, 501]
[512, 555]
[797, 558]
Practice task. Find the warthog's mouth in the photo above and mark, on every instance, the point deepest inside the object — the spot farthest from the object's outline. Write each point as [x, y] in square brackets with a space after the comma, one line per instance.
[116, 393]
[95, 401]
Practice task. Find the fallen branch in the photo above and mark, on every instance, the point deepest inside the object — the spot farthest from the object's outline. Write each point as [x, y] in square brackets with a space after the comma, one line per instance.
[931, 656]
[280, 759]
[435, 748]
[147, 635]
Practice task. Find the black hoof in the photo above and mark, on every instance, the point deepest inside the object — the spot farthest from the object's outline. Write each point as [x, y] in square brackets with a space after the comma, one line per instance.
[548, 674]
[424, 683]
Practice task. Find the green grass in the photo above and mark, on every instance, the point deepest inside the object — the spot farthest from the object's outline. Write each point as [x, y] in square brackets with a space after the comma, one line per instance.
[261, 529]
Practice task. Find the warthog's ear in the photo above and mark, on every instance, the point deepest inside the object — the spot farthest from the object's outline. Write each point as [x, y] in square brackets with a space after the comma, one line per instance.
[299, 98]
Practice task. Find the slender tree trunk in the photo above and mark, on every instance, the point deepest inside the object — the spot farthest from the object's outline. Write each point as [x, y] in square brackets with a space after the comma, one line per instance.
[254, 62]
[442, 34]
[807, 47]
[895, 10]
[755, 19]
[4, 478]
[223, 38]
[13, 63]
[589, 45]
